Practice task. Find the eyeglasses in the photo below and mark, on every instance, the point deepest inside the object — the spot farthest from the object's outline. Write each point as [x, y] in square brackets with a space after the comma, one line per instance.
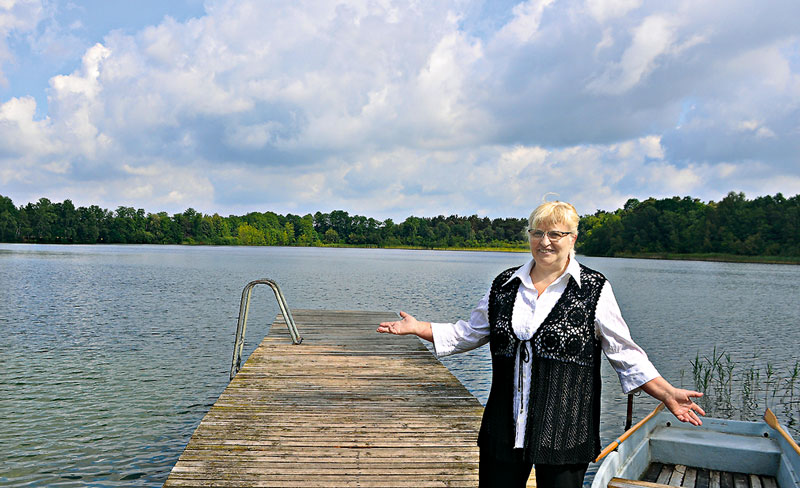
[553, 235]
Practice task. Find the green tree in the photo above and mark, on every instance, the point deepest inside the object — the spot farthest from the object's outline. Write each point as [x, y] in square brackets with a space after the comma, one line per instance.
[287, 237]
[220, 231]
[331, 236]
[8, 220]
[157, 228]
[308, 236]
[67, 221]
[340, 222]
[42, 219]
[250, 236]
[90, 221]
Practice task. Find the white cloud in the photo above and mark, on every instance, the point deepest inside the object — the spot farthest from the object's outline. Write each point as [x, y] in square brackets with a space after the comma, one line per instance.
[671, 180]
[606, 41]
[254, 136]
[757, 128]
[20, 133]
[749, 125]
[76, 108]
[58, 167]
[603, 10]
[524, 25]
[156, 187]
[440, 88]
[654, 37]
[85, 82]
[765, 133]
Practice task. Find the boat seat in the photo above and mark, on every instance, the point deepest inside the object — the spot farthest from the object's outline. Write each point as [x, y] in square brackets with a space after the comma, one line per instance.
[710, 449]
[623, 483]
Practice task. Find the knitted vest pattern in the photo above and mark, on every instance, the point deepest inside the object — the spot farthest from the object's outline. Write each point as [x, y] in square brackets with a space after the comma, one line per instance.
[564, 401]
[502, 340]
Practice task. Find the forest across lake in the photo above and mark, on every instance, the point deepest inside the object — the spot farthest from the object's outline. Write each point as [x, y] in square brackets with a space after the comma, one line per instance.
[766, 228]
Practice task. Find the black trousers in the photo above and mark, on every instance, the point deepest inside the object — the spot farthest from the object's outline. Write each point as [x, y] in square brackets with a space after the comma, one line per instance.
[494, 473]
[560, 475]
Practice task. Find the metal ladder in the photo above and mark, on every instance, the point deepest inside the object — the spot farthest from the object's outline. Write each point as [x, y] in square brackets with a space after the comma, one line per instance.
[244, 308]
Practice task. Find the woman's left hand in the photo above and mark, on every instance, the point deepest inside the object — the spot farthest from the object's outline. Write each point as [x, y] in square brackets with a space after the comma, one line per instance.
[680, 403]
[677, 400]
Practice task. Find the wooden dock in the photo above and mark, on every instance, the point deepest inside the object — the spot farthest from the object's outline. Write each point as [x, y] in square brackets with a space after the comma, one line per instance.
[348, 407]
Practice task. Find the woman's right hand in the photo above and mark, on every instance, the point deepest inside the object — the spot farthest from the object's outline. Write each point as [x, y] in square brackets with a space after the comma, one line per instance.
[407, 325]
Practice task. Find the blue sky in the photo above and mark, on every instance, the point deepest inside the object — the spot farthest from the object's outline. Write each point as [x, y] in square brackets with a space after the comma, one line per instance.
[391, 108]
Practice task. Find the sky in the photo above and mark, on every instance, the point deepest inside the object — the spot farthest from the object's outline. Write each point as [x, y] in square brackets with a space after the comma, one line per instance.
[394, 108]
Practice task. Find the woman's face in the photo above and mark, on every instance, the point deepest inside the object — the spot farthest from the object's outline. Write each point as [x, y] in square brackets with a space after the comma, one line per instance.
[547, 252]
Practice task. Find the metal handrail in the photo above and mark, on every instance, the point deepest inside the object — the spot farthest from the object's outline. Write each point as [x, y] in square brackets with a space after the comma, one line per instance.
[244, 309]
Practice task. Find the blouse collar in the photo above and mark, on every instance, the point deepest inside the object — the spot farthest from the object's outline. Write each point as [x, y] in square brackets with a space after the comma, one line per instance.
[524, 273]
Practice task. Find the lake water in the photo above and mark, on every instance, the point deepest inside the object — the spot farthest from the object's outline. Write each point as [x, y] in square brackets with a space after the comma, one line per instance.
[111, 355]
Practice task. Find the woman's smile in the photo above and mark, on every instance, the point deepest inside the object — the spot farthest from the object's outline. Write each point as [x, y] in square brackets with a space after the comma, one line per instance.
[549, 252]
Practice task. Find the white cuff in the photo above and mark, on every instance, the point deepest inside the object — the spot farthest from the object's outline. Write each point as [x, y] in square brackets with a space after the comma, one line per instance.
[444, 343]
[634, 378]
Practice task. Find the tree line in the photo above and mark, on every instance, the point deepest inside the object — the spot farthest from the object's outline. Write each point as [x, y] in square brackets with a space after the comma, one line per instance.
[767, 226]
[764, 226]
[52, 222]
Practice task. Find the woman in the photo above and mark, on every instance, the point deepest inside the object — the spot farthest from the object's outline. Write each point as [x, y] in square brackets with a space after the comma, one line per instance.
[546, 323]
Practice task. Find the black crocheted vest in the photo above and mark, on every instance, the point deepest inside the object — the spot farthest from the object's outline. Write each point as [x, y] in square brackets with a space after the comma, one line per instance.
[564, 402]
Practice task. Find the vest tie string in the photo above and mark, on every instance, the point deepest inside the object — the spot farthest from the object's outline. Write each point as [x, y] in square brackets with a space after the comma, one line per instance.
[524, 357]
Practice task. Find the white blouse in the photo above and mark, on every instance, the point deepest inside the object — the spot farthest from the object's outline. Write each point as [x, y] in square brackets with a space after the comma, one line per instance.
[628, 359]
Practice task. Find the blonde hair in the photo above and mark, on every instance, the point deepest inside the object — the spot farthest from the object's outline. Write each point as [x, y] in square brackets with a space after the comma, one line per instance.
[549, 214]
[552, 213]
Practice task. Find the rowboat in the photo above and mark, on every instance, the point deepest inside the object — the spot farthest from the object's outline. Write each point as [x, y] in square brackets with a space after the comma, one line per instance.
[660, 451]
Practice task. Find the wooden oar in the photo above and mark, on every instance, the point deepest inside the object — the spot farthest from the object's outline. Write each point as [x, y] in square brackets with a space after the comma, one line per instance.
[628, 433]
[772, 421]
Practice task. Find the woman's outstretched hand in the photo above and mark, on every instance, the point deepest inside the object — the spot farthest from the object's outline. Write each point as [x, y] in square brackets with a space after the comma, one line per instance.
[680, 403]
[677, 400]
[407, 325]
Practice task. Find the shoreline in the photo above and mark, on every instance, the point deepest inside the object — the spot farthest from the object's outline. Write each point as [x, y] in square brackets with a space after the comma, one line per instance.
[708, 257]
[423, 248]
[713, 257]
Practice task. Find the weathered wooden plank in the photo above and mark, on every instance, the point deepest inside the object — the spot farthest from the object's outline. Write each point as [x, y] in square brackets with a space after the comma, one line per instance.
[703, 479]
[347, 407]
[330, 454]
[626, 483]
[769, 482]
[652, 472]
[347, 481]
[252, 471]
[690, 477]
[666, 474]
[677, 475]
[740, 480]
[714, 479]
[725, 479]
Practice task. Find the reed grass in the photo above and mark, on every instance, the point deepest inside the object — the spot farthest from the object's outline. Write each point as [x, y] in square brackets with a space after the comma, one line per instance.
[734, 390]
